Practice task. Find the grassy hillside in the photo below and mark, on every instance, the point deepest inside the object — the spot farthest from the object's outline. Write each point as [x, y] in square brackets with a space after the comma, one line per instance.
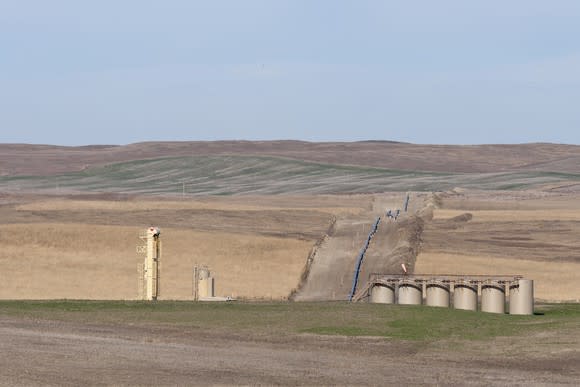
[230, 175]
[392, 321]
[253, 319]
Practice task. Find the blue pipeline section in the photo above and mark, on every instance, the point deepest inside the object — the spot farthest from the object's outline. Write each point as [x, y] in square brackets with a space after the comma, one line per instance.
[361, 256]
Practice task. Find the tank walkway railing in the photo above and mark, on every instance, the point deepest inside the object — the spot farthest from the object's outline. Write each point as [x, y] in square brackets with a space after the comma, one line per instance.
[423, 279]
[361, 256]
[374, 277]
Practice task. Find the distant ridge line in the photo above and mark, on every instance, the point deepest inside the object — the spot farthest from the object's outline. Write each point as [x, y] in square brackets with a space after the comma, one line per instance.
[45, 160]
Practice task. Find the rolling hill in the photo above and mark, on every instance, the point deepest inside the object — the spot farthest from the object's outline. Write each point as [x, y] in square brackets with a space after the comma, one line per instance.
[231, 175]
[39, 160]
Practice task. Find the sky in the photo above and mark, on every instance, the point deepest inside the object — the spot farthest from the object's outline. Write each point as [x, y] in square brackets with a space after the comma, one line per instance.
[440, 72]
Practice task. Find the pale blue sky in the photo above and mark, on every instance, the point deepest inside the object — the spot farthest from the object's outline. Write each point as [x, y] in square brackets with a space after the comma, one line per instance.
[115, 72]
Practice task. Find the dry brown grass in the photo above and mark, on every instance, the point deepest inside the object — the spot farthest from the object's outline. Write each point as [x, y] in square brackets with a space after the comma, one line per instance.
[45, 261]
[523, 215]
[508, 233]
[258, 246]
[552, 281]
[67, 261]
[244, 266]
[85, 249]
[264, 218]
[331, 205]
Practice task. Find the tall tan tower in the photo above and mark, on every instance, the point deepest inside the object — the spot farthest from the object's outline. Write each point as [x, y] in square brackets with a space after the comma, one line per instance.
[149, 270]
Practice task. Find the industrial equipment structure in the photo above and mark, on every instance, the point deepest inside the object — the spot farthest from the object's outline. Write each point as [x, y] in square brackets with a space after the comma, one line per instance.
[465, 295]
[522, 297]
[460, 291]
[203, 283]
[148, 271]
[409, 293]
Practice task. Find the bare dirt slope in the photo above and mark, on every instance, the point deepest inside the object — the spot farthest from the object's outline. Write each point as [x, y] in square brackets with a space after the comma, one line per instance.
[396, 242]
[331, 273]
[22, 159]
[333, 266]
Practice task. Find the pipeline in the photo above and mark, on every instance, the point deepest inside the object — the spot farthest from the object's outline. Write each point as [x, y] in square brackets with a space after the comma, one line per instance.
[361, 256]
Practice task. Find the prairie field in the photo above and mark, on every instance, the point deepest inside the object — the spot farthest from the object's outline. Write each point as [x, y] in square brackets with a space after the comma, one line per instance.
[84, 246]
[523, 215]
[276, 221]
[564, 288]
[56, 261]
[86, 249]
[501, 233]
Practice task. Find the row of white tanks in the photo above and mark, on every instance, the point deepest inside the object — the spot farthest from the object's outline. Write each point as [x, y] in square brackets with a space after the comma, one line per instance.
[465, 294]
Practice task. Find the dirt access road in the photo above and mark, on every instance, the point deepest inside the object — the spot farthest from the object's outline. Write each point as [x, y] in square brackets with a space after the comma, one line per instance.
[44, 352]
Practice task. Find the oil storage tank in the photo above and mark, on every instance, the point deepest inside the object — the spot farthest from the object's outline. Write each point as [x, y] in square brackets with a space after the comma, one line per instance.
[437, 293]
[410, 293]
[522, 297]
[492, 297]
[383, 294]
[465, 295]
[205, 284]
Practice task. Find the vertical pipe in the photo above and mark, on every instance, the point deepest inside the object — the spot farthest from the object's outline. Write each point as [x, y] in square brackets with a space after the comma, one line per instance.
[151, 263]
[149, 267]
[360, 258]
